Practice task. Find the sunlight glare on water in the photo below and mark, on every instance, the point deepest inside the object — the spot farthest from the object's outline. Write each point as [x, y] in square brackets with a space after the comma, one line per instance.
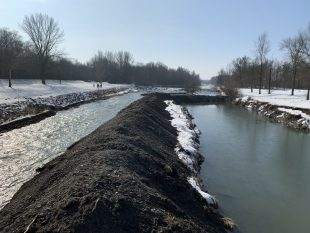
[25, 149]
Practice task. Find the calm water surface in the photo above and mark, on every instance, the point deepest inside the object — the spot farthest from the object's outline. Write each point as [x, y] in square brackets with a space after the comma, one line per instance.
[258, 170]
[25, 149]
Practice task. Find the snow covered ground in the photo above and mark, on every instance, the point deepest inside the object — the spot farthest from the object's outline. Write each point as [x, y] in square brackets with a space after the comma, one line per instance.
[280, 105]
[279, 97]
[23, 89]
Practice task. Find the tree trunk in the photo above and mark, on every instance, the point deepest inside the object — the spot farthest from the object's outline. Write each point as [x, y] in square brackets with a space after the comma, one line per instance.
[43, 81]
[294, 79]
[260, 79]
[269, 80]
[43, 63]
[10, 78]
[308, 93]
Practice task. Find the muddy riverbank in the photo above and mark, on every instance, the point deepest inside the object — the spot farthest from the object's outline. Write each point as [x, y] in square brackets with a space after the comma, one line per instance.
[123, 177]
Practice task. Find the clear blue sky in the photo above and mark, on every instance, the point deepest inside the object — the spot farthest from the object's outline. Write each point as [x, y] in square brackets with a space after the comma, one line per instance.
[201, 35]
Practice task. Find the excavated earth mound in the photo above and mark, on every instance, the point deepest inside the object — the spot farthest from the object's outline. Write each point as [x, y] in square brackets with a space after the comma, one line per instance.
[123, 177]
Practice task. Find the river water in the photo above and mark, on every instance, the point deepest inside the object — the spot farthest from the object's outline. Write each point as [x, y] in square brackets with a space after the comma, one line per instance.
[25, 149]
[258, 170]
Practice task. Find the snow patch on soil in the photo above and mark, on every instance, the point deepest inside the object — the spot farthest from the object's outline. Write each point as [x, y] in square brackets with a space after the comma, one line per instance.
[304, 120]
[295, 118]
[187, 147]
[210, 199]
[295, 112]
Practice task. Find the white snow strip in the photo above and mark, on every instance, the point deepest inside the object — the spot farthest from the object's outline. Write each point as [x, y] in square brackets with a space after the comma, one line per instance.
[210, 199]
[295, 112]
[187, 147]
[305, 118]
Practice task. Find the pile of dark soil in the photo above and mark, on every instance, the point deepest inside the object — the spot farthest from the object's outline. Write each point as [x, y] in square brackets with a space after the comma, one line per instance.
[180, 98]
[123, 177]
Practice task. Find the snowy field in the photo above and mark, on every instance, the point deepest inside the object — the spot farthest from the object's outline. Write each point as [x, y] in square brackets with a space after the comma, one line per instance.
[23, 89]
[279, 97]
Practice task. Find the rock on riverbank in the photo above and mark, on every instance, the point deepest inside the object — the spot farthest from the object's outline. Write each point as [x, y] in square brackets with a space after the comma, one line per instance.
[123, 177]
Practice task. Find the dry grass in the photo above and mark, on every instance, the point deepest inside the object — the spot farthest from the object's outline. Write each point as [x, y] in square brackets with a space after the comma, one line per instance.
[229, 223]
[168, 169]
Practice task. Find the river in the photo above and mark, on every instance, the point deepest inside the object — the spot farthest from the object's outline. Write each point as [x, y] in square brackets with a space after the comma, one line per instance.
[25, 149]
[258, 170]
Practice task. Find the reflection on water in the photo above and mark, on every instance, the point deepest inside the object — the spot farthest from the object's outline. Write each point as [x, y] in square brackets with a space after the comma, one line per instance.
[25, 149]
[258, 170]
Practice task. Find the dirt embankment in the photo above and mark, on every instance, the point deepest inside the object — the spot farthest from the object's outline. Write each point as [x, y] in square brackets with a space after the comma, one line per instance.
[180, 98]
[123, 177]
[291, 117]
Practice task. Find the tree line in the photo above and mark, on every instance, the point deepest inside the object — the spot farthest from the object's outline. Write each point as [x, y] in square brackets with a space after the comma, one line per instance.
[262, 72]
[40, 57]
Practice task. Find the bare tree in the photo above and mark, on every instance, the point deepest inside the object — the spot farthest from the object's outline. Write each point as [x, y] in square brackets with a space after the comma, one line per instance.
[11, 46]
[98, 64]
[306, 37]
[262, 49]
[45, 36]
[294, 48]
[240, 69]
[306, 51]
[269, 79]
[124, 60]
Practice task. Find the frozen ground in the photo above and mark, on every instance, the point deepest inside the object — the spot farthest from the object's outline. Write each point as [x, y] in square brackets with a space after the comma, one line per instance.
[23, 89]
[279, 97]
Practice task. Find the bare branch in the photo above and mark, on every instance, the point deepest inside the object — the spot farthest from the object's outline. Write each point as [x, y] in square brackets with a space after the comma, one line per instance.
[45, 36]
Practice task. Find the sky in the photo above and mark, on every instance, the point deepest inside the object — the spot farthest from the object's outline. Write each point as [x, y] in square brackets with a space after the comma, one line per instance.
[200, 35]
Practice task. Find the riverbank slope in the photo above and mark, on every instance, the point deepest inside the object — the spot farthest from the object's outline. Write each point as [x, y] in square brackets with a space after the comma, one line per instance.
[123, 177]
[279, 106]
[29, 102]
